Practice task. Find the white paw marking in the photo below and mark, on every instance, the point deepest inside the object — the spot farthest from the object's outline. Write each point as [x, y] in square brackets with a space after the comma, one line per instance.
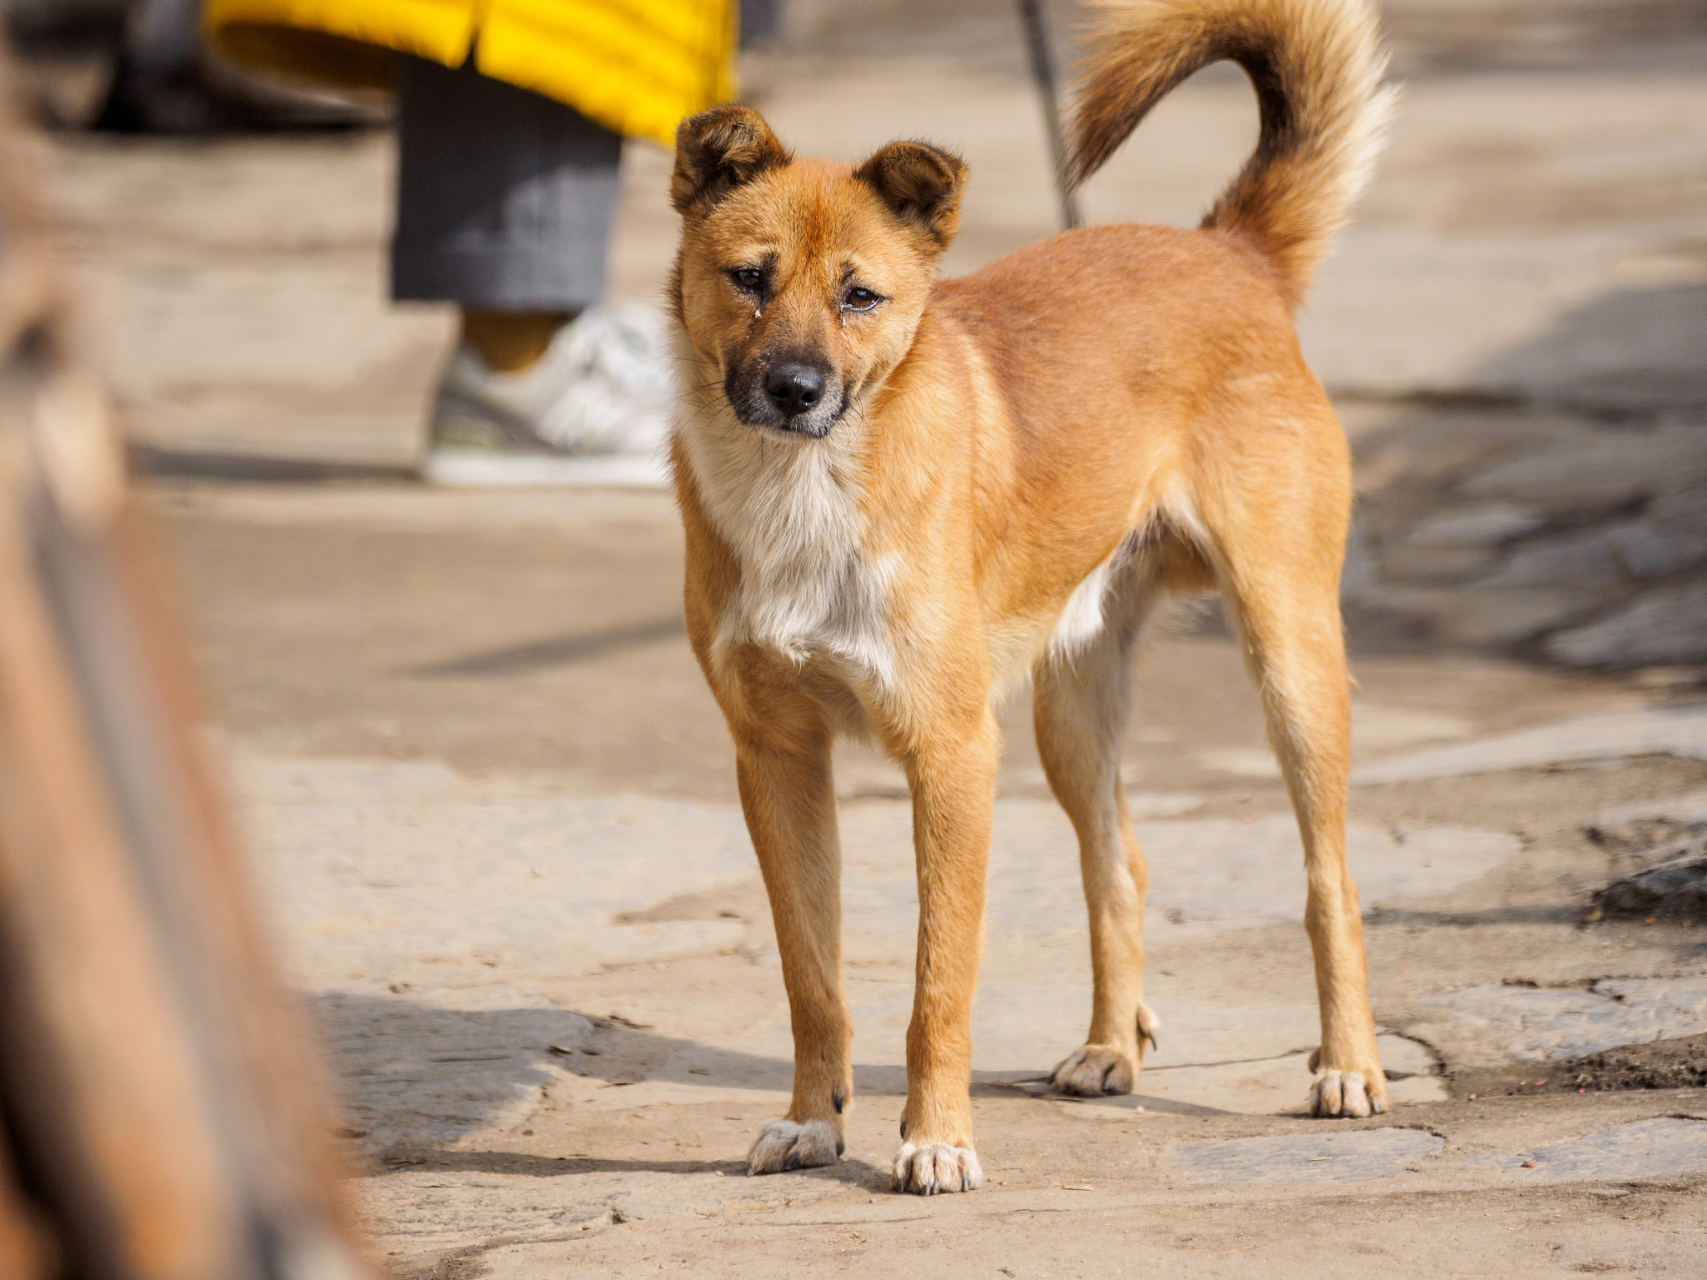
[1343, 1093]
[936, 1168]
[783, 1145]
[1095, 1069]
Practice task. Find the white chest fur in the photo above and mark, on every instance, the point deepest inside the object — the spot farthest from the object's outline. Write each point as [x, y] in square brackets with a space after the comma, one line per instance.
[790, 511]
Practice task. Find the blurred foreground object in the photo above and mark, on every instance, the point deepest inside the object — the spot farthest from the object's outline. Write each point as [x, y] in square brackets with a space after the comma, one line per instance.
[140, 66]
[161, 1117]
[165, 80]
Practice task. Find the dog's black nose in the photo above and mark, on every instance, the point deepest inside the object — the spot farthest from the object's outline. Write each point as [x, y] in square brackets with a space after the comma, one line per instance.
[794, 387]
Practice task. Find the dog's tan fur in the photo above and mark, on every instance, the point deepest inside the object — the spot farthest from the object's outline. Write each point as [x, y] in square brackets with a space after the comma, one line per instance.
[1004, 474]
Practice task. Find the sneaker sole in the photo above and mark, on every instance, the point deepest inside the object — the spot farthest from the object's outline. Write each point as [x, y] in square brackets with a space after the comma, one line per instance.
[517, 471]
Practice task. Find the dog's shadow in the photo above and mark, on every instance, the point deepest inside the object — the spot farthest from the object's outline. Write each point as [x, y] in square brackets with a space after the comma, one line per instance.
[415, 1079]
[850, 1171]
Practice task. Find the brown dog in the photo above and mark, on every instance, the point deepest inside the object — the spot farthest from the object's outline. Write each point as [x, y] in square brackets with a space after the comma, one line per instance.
[903, 494]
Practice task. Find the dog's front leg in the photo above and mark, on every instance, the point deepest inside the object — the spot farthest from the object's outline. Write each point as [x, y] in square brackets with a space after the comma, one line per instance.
[783, 767]
[953, 783]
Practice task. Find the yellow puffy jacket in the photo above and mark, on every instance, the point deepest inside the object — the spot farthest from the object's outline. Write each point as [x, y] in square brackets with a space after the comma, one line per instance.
[636, 66]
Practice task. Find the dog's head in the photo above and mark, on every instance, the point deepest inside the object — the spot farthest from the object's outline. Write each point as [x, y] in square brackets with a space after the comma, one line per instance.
[800, 283]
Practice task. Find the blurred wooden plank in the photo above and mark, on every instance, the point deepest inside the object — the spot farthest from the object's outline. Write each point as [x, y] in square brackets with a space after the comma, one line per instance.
[163, 1109]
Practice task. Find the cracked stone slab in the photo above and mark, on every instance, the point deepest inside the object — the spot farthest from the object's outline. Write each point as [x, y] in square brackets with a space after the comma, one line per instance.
[1231, 873]
[1537, 1025]
[1605, 472]
[1668, 625]
[1607, 553]
[1476, 526]
[1018, 1026]
[1212, 872]
[1684, 810]
[1378, 728]
[1685, 510]
[363, 859]
[1224, 874]
[1676, 731]
[1363, 1156]
[1479, 614]
[1657, 1148]
[407, 872]
[432, 1208]
[1675, 888]
[424, 910]
[1375, 729]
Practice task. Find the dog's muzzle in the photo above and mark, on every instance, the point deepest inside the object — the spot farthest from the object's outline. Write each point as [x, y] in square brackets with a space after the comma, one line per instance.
[790, 395]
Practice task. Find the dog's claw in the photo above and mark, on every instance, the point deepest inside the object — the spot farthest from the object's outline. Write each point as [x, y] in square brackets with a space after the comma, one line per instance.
[1147, 1024]
[933, 1168]
[1348, 1094]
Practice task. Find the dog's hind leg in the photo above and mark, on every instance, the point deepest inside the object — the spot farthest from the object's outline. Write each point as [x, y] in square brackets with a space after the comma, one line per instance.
[1080, 704]
[1279, 567]
[782, 754]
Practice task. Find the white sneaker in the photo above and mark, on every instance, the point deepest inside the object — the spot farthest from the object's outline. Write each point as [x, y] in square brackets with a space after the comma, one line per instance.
[594, 409]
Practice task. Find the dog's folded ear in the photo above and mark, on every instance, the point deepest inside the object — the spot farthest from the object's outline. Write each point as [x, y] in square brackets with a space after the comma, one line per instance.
[920, 184]
[719, 150]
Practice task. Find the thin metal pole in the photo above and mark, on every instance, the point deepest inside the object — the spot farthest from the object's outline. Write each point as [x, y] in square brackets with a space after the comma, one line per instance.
[1043, 71]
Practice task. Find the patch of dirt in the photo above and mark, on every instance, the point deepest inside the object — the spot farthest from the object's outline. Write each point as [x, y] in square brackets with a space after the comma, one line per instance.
[1676, 889]
[1668, 879]
[1659, 1064]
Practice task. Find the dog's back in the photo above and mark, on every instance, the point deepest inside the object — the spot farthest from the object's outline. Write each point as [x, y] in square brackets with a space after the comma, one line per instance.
[1140, 365]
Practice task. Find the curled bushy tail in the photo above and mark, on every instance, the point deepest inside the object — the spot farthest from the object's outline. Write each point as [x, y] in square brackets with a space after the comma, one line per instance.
[1317, 68]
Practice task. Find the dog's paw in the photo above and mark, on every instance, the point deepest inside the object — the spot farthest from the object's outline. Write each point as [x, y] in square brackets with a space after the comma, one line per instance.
[1344, 1093]
[935, 1168]
[783, 1145]
[1095, 1069]
[1355, 1094]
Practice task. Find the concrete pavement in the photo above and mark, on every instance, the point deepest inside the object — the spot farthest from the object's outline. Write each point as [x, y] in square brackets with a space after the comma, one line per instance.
[492, 811]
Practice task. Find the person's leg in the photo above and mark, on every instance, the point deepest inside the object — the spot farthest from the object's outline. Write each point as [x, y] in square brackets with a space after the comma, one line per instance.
[504, 206]
[504, 197]
[510, 341]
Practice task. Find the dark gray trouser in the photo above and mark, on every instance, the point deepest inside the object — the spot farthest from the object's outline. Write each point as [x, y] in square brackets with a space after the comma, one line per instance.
[504, 197]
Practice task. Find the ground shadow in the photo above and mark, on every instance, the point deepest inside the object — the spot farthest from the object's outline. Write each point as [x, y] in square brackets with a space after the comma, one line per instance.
[1377, 916]
[1625, 355]
[1605, 376]
[557, 651]
[414, 1076]
[849, 1170]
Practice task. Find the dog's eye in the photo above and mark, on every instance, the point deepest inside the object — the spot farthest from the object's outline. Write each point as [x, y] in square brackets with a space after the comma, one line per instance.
[857, 299]
[749, 278]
